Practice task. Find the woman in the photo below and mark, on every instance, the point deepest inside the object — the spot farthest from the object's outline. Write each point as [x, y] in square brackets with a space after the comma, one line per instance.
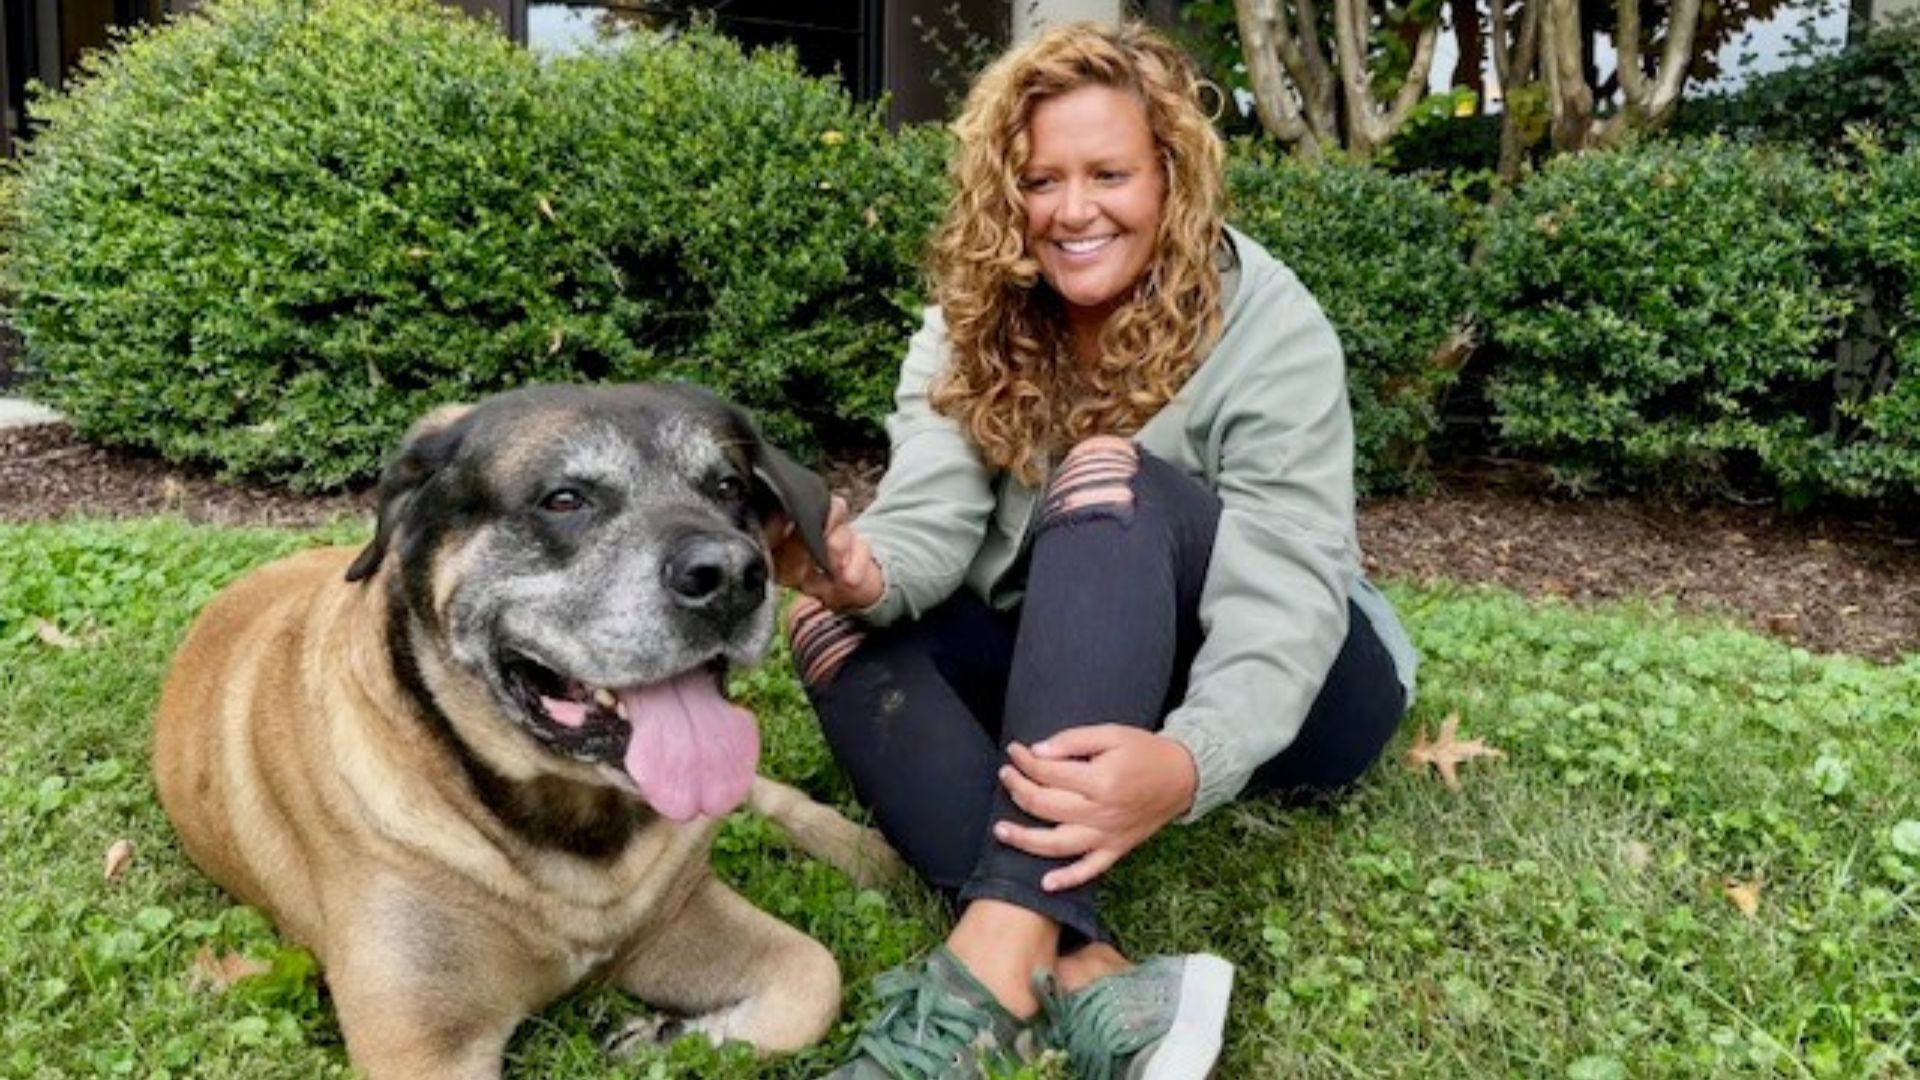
[1109, 580]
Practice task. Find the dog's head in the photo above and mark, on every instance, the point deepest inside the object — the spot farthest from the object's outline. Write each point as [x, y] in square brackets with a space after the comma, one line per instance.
[571, 571]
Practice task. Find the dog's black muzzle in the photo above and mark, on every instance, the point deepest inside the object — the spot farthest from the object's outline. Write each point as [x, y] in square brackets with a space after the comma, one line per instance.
[720, 579]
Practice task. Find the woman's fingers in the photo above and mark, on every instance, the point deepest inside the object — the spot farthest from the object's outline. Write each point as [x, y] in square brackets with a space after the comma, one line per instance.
[1051, 842]
[1075, 776]
[1047, 803]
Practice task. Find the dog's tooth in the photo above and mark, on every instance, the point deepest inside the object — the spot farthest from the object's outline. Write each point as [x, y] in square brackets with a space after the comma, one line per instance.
[605, 698]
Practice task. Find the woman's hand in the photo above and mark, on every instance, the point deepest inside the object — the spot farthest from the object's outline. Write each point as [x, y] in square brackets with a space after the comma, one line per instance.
[1106, 788]
[856, 581]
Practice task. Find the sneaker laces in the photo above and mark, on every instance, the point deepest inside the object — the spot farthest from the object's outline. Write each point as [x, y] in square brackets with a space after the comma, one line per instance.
[1091, 1024]
[922, 1027]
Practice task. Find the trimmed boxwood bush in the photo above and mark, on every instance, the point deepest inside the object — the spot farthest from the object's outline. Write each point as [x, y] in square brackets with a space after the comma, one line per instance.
[1877, 452]
[1382, 254]
[1664, 314]
[270, 235]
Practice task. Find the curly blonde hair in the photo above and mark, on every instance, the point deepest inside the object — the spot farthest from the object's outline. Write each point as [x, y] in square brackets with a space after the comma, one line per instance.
[1013, 384]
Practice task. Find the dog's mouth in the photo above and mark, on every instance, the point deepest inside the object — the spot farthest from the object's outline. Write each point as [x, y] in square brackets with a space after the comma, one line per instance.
[687, 750]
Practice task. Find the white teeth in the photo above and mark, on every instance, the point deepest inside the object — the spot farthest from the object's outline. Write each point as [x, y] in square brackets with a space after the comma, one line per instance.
[1081, 247]
[605, 698]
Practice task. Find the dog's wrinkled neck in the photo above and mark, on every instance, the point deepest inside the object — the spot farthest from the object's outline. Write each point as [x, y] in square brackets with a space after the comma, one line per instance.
[550, 812]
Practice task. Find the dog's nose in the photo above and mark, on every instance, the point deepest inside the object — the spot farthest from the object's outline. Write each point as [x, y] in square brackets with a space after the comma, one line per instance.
[710, 572]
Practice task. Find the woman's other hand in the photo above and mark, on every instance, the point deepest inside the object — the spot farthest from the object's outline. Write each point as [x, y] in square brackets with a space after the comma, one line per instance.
[1106, 788]
[856, 581]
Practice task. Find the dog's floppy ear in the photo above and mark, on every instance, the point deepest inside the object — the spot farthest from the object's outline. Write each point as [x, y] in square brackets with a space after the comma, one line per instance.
[801, 493]
[428, 446]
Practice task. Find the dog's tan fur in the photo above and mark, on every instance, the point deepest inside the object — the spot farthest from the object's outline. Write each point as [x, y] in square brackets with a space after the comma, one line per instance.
[300, 781]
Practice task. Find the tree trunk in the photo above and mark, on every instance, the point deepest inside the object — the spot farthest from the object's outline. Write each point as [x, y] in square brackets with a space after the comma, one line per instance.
[1472, 63]
[1516, 65]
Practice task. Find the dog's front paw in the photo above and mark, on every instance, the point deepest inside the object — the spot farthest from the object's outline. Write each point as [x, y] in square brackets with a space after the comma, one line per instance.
[641, 1032]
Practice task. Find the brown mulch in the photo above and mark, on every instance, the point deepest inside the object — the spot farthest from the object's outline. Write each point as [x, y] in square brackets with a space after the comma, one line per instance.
[1830, 584]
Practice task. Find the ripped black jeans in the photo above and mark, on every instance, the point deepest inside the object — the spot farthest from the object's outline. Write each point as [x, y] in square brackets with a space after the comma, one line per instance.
[919, 713]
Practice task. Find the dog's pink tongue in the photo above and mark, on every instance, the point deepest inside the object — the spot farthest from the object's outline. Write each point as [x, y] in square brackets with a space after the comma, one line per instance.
[692, 751]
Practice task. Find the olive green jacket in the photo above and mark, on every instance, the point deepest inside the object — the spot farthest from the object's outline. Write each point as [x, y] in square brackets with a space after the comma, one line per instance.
[1264, 423]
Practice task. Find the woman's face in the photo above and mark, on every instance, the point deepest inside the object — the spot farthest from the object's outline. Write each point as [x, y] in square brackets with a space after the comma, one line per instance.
[1094, 191]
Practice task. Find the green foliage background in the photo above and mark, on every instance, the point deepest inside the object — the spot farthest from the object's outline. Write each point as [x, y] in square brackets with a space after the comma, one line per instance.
[1664, 312]
[1874, 82]
[270, 236]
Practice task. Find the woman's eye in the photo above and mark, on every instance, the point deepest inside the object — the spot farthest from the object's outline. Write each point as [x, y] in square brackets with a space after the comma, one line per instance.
[1035, 183]
[730, 489]
[564, 501]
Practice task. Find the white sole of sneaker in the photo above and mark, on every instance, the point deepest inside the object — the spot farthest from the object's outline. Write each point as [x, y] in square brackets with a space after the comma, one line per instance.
[1192, 1044]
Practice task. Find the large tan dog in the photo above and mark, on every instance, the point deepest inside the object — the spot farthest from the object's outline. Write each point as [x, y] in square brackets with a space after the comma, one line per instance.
[482, 761]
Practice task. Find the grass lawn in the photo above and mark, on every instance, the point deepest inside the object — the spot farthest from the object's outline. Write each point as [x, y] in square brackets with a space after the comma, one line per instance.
[1566, 914]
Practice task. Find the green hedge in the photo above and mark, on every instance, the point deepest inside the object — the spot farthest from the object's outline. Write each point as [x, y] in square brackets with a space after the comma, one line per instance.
[1664, 312]
[1383, 255]
[268, 236]
[1875, 452]
[1872, 82]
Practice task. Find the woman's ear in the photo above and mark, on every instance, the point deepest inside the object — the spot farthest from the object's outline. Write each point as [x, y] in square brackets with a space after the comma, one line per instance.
[428, 446]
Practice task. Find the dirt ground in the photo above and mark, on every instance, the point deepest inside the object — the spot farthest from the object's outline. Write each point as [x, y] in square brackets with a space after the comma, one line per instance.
[1828, 583]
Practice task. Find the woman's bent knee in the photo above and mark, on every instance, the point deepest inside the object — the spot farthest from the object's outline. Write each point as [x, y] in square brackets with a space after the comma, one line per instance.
[1096, 478]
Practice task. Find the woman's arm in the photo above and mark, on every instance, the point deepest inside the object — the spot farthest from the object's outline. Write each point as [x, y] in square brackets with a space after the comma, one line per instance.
[1274, 606]
[911, 548]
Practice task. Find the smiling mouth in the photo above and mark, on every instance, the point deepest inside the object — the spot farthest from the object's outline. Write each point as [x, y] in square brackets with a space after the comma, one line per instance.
[1084, 247]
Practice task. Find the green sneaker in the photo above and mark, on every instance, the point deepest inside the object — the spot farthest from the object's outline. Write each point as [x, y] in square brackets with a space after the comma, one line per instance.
[936, 1022]
[1161, 1020]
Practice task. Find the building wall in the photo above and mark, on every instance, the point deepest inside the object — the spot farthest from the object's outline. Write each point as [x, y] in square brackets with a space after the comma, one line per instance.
[1031, 16]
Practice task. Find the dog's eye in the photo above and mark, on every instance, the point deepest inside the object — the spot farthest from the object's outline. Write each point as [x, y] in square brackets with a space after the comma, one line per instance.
[563, 501]
[730, 489]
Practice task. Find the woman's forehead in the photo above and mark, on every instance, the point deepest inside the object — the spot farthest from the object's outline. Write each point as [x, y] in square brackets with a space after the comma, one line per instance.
[1091, 119]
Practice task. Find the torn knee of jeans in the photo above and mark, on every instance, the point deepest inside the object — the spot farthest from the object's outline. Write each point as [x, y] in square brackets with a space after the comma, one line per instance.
[1095, 480]
[821, 639]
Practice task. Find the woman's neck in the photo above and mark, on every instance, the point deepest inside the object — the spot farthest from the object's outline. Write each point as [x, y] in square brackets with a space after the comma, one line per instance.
[1084, 326]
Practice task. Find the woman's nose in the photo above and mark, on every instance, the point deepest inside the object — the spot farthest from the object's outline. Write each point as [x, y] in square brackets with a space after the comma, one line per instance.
[1077, 206]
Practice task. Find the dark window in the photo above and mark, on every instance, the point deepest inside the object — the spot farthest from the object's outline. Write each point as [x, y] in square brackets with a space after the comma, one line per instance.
[841, 38]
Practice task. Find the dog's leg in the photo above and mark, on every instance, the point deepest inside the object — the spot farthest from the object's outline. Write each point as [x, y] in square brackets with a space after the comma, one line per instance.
[393, 1039]
[734, 972]
[413, 1009]
[824, 833]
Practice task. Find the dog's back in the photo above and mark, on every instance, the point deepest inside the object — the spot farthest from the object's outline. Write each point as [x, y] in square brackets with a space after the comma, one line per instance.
[231, 697]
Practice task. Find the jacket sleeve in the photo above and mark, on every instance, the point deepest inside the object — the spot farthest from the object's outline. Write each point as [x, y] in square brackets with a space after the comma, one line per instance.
[931, 512]
[1274, 606]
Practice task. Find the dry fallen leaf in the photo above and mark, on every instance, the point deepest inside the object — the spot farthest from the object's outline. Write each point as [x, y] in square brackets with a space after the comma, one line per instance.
[1744, 895]
[546, 208]
[119, 856]
[171, 489]
[558, 339]
[52, 635]
[216, 974]
[1445, 753]
[1636, 855]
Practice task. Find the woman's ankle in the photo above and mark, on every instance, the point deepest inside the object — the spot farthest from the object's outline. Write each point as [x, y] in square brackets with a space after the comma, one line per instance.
[1089, 964]
[1002, 945]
